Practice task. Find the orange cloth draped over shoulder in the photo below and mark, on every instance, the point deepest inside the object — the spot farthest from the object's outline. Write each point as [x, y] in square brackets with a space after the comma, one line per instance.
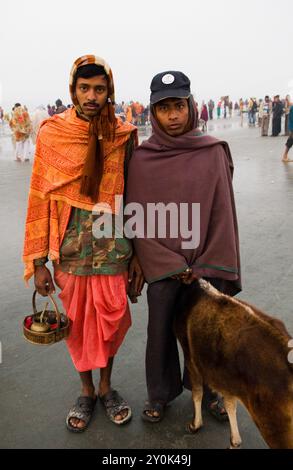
[61, 150]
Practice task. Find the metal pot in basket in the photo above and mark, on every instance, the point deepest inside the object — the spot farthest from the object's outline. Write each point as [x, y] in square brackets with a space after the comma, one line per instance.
[47, 326]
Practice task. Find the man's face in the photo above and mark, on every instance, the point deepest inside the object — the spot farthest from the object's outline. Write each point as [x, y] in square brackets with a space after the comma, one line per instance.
[172, 115]
[92, 94]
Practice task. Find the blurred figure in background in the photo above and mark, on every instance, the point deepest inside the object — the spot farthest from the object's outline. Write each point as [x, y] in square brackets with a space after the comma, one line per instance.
[260, 112]
[38, 116]
[120, 110]
[219, 109]
[241, 111]
[129, 113]
[230, 108]
[204, 117]
[60, 108]
[211, 106]
[136, 113]
[145, 116]
[265, 110]
[287, 111]
[1, 120]
[252, 110]
[21, 127]
[50, 110]
[277, 116]
[289, 142]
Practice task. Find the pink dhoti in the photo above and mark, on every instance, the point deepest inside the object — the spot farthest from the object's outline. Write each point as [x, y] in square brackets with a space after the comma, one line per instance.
[98, 309]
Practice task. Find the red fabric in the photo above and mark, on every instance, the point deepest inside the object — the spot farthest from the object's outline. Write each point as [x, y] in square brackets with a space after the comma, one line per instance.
[98, 308]
[204, 114]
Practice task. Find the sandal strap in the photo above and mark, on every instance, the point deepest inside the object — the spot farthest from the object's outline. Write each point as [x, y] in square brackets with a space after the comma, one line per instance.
[114, 403]
[86, 403]
[155, 406]
[82, 409]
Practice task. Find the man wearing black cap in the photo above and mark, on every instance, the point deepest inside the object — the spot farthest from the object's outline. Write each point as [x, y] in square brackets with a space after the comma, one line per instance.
[178, 164]
[165, 102]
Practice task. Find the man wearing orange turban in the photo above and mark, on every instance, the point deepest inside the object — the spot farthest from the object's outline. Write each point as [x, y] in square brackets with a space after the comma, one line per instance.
[81, 156]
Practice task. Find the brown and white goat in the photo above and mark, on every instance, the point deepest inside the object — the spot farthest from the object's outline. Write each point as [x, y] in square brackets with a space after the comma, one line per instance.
[243, 354]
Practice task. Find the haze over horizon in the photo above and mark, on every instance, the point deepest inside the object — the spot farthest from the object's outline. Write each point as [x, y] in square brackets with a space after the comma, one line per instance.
[227, 47]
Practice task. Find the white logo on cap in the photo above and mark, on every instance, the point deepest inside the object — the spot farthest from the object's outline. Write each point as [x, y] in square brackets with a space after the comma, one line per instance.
[168, 79]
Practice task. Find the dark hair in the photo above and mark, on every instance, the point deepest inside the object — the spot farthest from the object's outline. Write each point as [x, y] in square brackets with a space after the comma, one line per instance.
[89, 71]
[17, 105]
[58, 103]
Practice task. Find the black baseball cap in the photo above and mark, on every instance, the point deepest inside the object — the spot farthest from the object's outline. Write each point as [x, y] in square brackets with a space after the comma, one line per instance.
[170, 84]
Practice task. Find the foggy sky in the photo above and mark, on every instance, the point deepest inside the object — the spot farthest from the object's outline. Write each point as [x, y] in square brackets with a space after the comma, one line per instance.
[226, 47]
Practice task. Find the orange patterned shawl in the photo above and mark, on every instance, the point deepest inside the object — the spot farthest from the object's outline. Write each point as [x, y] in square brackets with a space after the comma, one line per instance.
[61, 150]
[20, 124]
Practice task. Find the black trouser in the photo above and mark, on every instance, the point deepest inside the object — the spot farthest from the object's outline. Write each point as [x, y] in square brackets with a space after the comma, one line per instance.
[163, 373]
[289, 142]
[276, 126]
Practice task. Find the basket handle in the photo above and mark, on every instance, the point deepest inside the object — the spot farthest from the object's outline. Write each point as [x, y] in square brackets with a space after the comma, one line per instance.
[43, 312]
[55, 307]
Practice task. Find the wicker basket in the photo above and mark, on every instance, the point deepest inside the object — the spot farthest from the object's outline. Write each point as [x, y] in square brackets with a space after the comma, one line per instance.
[50, 337]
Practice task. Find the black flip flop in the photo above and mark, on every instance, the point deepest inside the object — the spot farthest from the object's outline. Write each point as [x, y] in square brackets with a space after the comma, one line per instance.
[156, 406]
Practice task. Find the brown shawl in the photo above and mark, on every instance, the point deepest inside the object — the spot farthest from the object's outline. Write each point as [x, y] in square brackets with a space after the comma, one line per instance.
[188, 168]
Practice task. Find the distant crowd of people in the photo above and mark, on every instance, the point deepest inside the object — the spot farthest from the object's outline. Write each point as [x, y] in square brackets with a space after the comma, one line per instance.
[260, 112]
[264, 111]
[133, 112]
